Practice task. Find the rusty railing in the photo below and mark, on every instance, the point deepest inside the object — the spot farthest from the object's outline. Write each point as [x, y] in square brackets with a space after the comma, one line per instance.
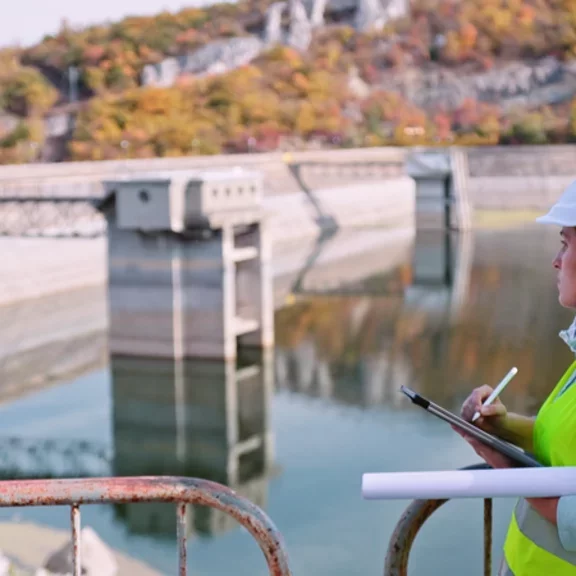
[414, 517]
[182, 491]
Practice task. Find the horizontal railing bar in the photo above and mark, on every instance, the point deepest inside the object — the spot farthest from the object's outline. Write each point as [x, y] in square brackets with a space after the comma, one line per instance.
[63, 491]
[49, 199]
[349, 164]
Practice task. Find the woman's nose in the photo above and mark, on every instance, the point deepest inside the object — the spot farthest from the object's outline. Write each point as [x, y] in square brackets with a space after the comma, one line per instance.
[556, 262]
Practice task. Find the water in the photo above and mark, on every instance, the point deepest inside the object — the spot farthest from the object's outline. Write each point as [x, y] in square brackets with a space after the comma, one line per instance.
[333, 414]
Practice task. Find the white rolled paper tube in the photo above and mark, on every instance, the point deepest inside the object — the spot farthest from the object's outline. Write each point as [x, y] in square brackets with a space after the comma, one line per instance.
[502, 483]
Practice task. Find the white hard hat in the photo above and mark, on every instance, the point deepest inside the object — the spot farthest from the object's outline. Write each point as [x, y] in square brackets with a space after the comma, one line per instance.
[563, 213]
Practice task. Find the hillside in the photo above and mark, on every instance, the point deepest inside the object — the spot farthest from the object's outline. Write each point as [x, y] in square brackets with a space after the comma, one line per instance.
[257, 75]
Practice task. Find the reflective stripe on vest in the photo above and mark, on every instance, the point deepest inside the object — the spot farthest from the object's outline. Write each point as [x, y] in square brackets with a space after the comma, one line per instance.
[505, 569]
[543, 533]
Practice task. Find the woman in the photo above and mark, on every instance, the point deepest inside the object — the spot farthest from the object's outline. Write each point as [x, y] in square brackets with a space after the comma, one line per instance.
[541, 538]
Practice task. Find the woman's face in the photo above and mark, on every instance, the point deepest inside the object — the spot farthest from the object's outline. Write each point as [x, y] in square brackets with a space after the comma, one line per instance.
[565, 264]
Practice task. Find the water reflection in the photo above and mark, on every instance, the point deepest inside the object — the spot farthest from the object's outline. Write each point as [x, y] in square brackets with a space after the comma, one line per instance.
[351, 344]
[205, 419]
[440, 312]
[442, 326]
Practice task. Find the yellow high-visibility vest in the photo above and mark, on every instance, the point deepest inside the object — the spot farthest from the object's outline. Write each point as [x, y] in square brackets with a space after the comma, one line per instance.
[532, 546]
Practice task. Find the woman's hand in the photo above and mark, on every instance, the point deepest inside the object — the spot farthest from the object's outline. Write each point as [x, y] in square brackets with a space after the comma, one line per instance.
[489, 455]
[492, 417]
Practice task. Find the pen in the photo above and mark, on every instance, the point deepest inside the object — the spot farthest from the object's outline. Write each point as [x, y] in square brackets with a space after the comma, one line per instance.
[497, 391]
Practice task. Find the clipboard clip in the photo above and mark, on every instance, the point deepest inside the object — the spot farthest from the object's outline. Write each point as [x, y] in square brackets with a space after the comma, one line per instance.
[416, 398]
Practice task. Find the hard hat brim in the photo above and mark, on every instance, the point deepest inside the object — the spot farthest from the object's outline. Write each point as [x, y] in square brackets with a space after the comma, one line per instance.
[548, 219]
[558, 218]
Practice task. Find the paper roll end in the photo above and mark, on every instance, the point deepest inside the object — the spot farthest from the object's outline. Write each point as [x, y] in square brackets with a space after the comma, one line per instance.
[367, 487]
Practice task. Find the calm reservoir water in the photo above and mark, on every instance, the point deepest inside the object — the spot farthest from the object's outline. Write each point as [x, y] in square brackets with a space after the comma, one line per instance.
[330, 412]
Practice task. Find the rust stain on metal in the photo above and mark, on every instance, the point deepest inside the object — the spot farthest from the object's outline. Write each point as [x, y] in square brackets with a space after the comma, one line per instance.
[413, 518]
[76, 551]
[78, 492]
[404, 534]
[181, 531]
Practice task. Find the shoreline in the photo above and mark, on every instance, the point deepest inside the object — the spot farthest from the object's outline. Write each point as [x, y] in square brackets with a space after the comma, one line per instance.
[31, 544]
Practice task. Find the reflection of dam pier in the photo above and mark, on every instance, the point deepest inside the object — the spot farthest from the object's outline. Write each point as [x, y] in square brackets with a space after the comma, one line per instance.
[193, 418]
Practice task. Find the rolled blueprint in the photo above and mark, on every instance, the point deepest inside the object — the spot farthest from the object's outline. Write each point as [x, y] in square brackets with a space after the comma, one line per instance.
[527, 482]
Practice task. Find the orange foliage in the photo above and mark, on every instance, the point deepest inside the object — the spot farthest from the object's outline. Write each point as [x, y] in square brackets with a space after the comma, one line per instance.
[284, 93]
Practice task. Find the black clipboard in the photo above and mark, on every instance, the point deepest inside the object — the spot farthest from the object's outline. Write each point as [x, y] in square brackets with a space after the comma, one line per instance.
[520, 458]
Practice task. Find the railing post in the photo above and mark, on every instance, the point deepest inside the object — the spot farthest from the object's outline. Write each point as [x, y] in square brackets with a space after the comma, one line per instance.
[181, 531]
[487, 536]
[76, 545]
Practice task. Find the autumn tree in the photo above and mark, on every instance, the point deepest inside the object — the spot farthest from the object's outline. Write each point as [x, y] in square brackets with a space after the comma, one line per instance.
[26, 92]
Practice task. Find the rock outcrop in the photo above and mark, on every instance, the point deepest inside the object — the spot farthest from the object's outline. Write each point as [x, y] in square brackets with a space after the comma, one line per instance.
[222, 55]
[213, 58]
[317, 13]
[300, 31]
[27, 550]
[514, 84]
[273, 29]
[303, 17]
[96, 557]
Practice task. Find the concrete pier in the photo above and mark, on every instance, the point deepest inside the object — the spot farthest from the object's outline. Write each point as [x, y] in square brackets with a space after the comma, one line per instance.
[189, 266]
[442, 188]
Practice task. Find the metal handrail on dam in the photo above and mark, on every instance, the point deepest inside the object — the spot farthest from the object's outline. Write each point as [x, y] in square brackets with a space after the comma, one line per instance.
[412, 520]
[431, 489]
[181, 491]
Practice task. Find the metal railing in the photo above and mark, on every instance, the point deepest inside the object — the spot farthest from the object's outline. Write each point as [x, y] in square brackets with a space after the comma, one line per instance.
[412, 520]
[42, 216]
[182, 491]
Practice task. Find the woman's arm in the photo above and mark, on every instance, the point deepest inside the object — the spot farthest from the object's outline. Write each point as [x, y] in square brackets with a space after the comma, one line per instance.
[548, 508]
[562, 513]
[566, 521]
[496, 420]
[514, 428]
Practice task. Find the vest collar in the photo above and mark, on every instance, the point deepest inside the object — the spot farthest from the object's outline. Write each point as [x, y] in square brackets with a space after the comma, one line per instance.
[569, 336]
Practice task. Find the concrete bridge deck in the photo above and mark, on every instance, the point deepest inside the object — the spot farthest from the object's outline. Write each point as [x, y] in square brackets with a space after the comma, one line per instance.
[501, 177]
